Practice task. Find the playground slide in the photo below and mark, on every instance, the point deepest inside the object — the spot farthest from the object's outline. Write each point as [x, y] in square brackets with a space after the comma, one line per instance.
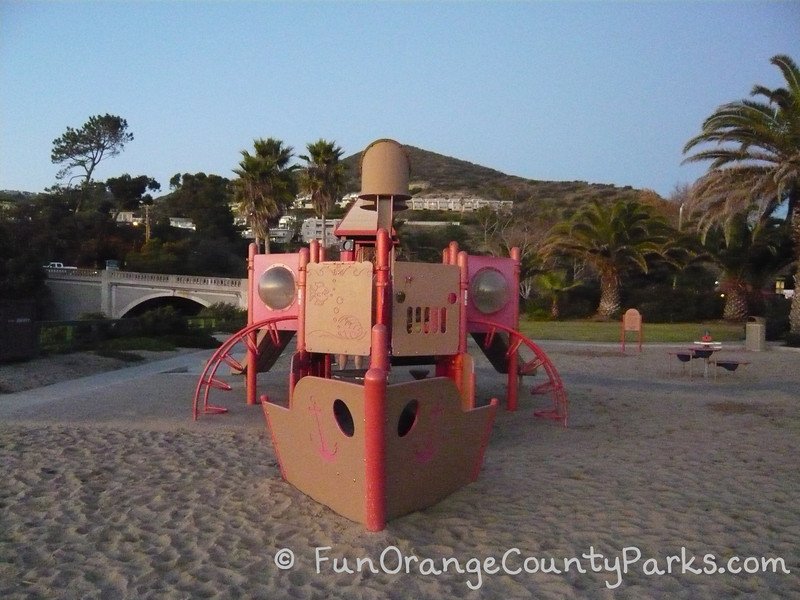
[497, 352]
[268, 350]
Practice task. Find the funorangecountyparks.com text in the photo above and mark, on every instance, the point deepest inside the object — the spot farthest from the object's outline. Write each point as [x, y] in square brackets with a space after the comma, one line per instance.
[515, 562]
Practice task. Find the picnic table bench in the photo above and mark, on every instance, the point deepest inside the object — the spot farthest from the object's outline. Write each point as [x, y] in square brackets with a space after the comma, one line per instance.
[708, 352]
[729, 364]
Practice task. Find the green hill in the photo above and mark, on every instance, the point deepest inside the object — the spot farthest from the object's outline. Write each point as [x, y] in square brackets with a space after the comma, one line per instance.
[433, 173]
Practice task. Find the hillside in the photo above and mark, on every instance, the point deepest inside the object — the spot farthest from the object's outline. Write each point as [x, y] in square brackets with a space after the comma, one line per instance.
[433, 173]
[437, 174]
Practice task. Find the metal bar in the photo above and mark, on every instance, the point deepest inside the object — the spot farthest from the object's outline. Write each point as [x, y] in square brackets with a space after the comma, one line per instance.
[375, 447]
[252, 348]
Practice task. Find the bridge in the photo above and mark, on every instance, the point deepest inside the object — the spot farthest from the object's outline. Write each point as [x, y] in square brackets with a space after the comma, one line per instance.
[75, 292]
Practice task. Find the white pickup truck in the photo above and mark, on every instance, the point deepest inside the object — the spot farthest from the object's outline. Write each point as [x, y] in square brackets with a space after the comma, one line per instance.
[57, 265]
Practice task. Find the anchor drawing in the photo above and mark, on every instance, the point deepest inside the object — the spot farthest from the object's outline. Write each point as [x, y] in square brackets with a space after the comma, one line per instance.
[327, 454]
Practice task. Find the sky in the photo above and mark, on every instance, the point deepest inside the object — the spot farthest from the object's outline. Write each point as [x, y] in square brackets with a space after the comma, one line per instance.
[603, 92]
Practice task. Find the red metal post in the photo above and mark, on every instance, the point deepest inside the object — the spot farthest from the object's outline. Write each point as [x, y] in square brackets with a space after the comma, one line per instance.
[463, 266]
[375, 382]
[302, 271]
[251, 382]
[513, 359]
[301, 369]
[457, 372]
[452, 253]
[383, 288]
[622, 333]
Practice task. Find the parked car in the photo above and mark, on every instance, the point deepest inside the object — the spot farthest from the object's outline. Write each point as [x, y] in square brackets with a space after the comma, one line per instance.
[57, 265]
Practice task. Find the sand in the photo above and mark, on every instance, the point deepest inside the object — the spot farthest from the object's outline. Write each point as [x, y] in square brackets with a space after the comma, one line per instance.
[110, 490]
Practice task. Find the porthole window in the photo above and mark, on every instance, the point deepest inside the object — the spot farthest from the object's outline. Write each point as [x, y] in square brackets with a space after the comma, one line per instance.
[407, 418]
[344, 418]
[276, 287]
[489, 291]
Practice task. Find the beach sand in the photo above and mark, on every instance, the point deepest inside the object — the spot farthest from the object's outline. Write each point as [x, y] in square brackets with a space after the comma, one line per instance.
[110, 490]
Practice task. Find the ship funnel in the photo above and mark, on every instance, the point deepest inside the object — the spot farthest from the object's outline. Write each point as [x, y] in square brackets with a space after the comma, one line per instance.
[384, 172]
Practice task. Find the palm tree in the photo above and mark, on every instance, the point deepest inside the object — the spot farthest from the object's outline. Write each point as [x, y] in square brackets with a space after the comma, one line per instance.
[755, 161]
[748, 255]
[553, 284]
[323, 178]
[611, 238]
[265, 185]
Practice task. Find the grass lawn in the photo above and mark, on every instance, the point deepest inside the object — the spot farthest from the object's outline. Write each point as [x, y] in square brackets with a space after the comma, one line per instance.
[594, 331]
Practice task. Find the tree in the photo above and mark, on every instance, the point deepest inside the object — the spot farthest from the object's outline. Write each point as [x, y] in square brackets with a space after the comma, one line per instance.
[265, 186]
[205, 199]
[553, 284]
[130, 193]
[748, 254]
[323, 178]
[101, 137]
[611, 238]
[489, 223]
[21, 253]
[754, 161]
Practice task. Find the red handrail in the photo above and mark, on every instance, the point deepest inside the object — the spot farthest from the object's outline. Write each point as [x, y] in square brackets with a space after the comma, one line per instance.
[208, 378]
[560, 408]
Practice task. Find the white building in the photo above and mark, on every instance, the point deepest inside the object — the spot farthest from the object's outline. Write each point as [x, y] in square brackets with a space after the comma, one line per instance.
[304, 201]
[182, 223]
[457, 202]
[282, 235]
[312, 229]
[129, 217]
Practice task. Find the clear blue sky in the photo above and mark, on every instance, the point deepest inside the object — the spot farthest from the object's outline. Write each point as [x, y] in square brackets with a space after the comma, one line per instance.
[594, 91]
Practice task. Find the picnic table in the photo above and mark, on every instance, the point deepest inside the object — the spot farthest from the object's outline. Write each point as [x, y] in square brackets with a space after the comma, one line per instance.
[705, 350]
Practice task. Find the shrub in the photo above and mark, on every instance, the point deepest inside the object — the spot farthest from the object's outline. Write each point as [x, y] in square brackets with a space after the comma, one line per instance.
[224, 312]
[580, 302]
[92, 316]
[665, 304]
[533, 312]
[223, 317]
[776, 312]
[162, 321]
[56, 338]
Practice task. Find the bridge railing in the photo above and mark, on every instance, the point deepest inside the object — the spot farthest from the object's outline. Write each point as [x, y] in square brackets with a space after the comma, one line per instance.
[161, 279]
[193, 281]
[73, 273]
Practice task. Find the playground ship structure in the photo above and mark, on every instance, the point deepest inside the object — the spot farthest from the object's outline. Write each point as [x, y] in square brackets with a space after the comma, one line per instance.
[369, 448]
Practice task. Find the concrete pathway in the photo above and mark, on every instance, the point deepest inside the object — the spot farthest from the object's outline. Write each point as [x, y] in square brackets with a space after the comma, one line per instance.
[139, 380]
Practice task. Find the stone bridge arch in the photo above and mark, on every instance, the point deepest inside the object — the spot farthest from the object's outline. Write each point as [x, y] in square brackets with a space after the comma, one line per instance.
[188, 305]
[117, 293]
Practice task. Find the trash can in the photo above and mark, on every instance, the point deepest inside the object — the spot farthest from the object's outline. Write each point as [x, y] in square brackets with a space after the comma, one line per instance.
[756, 334]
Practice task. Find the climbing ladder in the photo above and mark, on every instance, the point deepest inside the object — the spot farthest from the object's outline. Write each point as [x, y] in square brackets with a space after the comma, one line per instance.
[496, 335]
[272, 340]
